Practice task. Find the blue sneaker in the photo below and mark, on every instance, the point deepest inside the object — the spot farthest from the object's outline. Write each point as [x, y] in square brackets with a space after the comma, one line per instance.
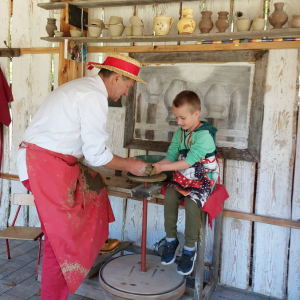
[170, 251]
[187, 262]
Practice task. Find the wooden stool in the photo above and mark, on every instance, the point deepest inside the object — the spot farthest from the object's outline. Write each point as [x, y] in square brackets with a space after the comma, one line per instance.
[22, 233]
[201, 293]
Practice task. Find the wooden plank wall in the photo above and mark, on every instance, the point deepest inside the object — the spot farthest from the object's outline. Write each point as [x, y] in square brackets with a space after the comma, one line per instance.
[31, 83]
[264, 188]
[4, 64]
[294, 257]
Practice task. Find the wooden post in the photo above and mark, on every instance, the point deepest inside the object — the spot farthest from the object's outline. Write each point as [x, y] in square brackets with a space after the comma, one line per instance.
[199, 265]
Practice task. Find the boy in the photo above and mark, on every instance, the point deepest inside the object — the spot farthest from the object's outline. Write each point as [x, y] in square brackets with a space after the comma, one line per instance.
[192, 154]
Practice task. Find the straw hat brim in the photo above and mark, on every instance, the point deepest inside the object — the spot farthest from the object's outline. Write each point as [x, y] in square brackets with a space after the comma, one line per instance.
[119, 71]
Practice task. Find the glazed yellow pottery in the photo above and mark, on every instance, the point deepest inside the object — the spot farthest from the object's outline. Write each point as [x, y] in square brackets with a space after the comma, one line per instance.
[163, 25]
[187, 24]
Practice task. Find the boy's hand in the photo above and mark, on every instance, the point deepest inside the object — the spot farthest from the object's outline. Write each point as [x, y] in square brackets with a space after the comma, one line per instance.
[157, 169]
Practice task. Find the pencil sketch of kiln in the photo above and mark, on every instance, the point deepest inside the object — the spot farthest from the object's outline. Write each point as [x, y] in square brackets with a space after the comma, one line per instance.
[225, 91]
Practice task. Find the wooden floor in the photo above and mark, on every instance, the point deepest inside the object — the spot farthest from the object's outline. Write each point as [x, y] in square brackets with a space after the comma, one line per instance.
[17, 277]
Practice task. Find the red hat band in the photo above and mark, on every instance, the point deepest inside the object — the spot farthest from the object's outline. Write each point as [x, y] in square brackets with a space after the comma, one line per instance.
[119, 64]
[122, 64]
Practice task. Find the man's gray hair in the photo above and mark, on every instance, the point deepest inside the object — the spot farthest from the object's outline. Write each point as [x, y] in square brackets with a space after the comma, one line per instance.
[107, 73]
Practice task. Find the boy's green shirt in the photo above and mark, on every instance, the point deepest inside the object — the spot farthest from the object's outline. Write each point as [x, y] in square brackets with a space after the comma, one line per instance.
[201, 144]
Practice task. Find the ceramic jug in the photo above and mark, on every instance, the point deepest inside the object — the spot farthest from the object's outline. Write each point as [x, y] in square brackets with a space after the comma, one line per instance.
[278, 18]
[163, 25]
[296, 21]
[187, 24]
[50, 27]
[222, 23]
[206, 24]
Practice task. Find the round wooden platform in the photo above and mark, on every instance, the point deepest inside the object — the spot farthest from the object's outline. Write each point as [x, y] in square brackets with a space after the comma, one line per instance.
[123, 278]
[154, 178]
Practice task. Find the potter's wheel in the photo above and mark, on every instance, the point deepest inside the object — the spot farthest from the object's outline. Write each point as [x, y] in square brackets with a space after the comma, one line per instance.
[153, 178]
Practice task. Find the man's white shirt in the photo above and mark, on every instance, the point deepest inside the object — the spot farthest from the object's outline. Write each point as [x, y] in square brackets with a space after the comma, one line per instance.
[71, 120]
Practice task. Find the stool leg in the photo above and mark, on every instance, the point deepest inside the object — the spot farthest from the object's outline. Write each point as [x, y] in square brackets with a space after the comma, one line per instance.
[199, 276]
[144, 232]
[38, 259]
[8, 252]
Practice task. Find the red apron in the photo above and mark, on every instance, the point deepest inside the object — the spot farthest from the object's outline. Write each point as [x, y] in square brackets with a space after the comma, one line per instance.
[73, 203]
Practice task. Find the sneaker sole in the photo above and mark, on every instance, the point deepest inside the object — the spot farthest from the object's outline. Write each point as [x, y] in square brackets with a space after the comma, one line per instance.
[188, 273]
[176, 252]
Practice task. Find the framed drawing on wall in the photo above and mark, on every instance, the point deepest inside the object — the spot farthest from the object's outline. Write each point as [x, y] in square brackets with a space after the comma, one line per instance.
[230, 85]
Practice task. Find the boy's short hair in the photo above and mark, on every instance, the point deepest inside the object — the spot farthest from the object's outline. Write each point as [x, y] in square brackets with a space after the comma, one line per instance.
[188, 97]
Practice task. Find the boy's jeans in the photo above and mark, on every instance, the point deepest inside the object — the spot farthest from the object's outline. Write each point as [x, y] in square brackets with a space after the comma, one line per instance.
[192, 216]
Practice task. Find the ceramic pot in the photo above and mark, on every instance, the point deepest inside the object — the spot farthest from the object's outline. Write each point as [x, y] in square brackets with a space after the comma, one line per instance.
[137, 30]
[76, 33]
[222, 23]
[128, 30]
[94, 30]
[206, 24]
[163, 25]
[97, 22]
[296, 21]
[136, 21]
[258, 24]
[113, 20]
[116, 30]
[58, 33]
[50, 27]
[278, 18]
[176, 86]
[243, 24]
[187, 24]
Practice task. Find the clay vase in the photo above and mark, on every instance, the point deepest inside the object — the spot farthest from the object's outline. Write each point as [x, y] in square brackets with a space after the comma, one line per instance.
[206, 23]
[296, 21]
[187, 24]
[222, 23]
[50, 27]
[278, 18]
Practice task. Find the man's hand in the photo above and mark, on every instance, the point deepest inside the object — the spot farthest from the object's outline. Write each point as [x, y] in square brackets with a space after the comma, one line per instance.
[136, 166]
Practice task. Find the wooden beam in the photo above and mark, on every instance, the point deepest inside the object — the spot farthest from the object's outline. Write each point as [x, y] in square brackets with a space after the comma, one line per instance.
[105, 3]
[226, 213]
[261, 219]
[192, 48]
[276, 33]
[39, 50]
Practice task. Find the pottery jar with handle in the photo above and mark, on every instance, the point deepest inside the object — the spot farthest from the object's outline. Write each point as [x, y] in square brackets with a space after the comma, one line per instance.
[187, 24]
[222, 23]
[206, 24]
[278, 18]
[163, 25]
[50, 27]
[296, 21]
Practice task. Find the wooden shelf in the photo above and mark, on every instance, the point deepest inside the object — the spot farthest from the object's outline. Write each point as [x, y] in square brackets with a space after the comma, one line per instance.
[105, 3]
[278, 33]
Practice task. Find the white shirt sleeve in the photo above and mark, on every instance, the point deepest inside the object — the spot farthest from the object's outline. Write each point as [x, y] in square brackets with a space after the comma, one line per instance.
[93, 109]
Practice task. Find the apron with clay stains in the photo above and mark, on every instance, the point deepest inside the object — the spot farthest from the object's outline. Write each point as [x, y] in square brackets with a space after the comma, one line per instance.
[74, 207]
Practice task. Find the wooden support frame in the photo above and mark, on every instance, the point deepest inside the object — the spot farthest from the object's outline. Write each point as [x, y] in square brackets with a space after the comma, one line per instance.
[252, 152]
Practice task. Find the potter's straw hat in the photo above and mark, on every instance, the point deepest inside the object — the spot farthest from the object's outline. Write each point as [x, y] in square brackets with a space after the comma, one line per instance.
[120, 64]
